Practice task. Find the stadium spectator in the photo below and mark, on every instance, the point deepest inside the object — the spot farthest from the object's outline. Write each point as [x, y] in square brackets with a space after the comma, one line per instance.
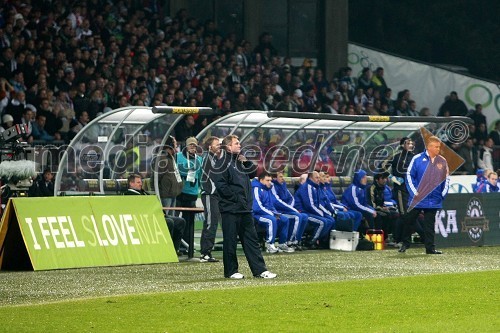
[485, 160]
[469, 153]
[478, 116]
[185, 129]
[365, 80]
[76, 125]
[425, 112]
[453, 106]
[16, 106]
[360, 98]
[412, 108]
[234, 188]
[495, 133]
[39, 132]
[27, 120]
[267, 217]
[7, 122]
[387, 99]
[401, 108]
[287, 104]
[378, 80]
[265, 43]
[310, 100]
[480, 134]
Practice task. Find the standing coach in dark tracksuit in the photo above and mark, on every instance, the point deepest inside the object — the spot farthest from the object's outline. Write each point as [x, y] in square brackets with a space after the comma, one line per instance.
[427, 182]
[232, 181]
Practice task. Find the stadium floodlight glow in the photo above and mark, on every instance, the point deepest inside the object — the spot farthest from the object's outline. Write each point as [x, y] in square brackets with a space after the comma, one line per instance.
[202, 111]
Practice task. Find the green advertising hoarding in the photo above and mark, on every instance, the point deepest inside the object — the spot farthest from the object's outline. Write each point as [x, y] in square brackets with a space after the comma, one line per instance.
[69, 232]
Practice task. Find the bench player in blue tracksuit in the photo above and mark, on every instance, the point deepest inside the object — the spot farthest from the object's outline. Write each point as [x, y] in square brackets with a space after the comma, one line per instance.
[284, 204]
[354, 197]
[307, 200]
[266, 215]
[346, 220]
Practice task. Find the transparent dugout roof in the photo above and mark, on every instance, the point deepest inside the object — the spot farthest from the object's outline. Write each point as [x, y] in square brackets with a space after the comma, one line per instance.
[100, 150]
[98, 159]
[323, 141]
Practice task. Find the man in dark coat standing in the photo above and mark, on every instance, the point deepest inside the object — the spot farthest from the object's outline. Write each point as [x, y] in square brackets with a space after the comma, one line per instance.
[232, 181]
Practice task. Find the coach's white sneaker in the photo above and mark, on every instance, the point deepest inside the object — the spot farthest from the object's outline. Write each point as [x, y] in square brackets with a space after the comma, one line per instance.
[267, 275]
[237, 276]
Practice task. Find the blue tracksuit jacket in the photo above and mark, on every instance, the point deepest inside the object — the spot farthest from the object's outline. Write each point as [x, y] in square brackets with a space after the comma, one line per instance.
[263, 203]
[354, 196]
[307, 199]
[429, 179]
[283, 199]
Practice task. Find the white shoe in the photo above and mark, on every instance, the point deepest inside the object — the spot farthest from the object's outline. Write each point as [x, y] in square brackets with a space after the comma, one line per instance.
[237, 276]
[285, 248]
[271, 248]
[267, 275]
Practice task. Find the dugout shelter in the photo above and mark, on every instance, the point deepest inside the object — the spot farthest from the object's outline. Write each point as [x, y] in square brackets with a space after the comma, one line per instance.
[97, 161]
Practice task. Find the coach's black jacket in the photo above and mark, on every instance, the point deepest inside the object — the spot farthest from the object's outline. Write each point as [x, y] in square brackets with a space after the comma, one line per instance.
[232, 181]
[399, 164]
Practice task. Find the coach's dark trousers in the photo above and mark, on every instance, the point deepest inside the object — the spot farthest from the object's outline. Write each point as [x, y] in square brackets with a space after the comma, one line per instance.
[234, 225]
[212, 217]
[428, 226]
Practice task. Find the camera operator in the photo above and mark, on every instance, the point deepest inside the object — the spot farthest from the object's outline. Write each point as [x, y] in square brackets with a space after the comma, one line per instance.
[44, 186]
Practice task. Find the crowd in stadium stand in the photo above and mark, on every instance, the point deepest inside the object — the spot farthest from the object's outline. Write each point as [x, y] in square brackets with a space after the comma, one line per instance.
[63, 65]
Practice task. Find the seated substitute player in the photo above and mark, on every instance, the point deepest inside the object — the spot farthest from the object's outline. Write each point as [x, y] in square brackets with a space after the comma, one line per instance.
[346, 220]
[284, 204]
[354, 197]
[308, 200]
[380, 197]
[266, 215]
